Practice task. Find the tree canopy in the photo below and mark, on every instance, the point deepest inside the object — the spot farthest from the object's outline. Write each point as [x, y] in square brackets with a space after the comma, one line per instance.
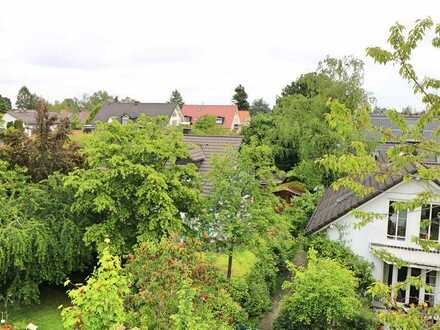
[133, 185]
[5, 104]
[26, 100]
[176, 99]
[240, 98]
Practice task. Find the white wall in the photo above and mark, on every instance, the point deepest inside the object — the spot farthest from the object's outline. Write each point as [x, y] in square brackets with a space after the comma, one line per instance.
[6, 119]
[376, 232]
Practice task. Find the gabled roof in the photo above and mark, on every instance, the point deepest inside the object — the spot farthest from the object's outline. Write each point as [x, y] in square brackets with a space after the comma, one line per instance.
[29, 117]
[203, 148]
[245, 117]
[335, 204]
[133, 110]
[196, 111]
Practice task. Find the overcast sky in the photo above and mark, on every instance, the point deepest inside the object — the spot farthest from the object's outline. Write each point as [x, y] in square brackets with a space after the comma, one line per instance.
[144, 49]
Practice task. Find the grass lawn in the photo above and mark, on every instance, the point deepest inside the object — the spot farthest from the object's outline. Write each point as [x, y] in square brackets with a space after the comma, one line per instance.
[242, 262]
[45, 315]
[78, 136]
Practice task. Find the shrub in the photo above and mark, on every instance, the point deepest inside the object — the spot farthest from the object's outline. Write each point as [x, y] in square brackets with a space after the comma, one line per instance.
[322, 296]
[157, 271]
[254, 292]
[361, 268]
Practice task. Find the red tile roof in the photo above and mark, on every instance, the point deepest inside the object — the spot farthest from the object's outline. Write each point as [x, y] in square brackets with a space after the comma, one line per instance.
[245, 118]
[196, 111]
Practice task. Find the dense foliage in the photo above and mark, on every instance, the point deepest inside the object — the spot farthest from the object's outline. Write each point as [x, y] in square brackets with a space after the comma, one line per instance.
[240, 98]
[25, 99]
[321, 296]
[5, 104]
[100, 303]
[40, 240]
[354, 166]
[133, 186]
[160, 271]
[49, 149]
[176, 99]
[206, 125]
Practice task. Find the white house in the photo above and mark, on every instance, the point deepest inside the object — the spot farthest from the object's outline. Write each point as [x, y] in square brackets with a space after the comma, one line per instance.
[28, 118]
[392, 231]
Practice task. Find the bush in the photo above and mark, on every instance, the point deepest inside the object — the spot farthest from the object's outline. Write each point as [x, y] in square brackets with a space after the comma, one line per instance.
[322, 296]
[361, 268]
[254, 292]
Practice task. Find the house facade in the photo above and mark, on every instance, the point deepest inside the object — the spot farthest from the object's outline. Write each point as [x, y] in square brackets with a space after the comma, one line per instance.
[392, 232]
[28, 118]
[227, 116]
[123, 112]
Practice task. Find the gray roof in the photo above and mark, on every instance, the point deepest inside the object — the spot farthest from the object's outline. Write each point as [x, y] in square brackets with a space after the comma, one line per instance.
[380, 120]
[29, 117]
[133, 110]
[203, 148]
[335, 204]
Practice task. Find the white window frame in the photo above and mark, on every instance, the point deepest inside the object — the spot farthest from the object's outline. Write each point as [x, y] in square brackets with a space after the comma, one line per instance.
[220, 120]
[430, 223]
[395, 236]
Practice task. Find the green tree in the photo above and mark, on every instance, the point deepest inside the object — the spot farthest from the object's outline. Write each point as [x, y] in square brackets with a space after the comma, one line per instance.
[5, 104]
[37, 232]
[71, 105]
[259, 106]
[99, 304]
[321, 296]
[176, 99]
[47, 151]
[240, 98]
[94, 102]
[237, 204]
[354, 166]
[26, 100]
[133, 186]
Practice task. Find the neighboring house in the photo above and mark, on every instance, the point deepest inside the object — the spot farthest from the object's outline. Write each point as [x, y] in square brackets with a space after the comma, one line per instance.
[245, 118]
[204, 148]
[393, 230]
[226, 116]
[123, 112]
[28, 118]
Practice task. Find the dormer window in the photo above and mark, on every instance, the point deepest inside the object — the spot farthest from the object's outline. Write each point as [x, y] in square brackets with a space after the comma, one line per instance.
[220, 120]
[188, 119]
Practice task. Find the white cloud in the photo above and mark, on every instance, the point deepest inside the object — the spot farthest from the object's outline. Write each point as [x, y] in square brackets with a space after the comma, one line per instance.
[144, 49]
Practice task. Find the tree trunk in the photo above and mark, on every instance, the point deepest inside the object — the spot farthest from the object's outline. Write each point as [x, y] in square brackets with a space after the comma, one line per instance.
[228, 276]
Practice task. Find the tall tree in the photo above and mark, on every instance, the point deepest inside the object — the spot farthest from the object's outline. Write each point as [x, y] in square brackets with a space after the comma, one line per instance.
[176, 99]
[93, 103]
[240, 98]
[25, 100]
[237, 202]
[5, 104]
[259, 106]
[133, 186]
[354, 166]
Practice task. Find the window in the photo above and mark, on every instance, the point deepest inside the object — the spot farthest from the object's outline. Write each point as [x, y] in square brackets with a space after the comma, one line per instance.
[396, 223]
[431, 279]
[124, 120]
[402, 274]
[429, 222]
[236, 126]
[188, 119]
[414, 292]
[220, 120]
